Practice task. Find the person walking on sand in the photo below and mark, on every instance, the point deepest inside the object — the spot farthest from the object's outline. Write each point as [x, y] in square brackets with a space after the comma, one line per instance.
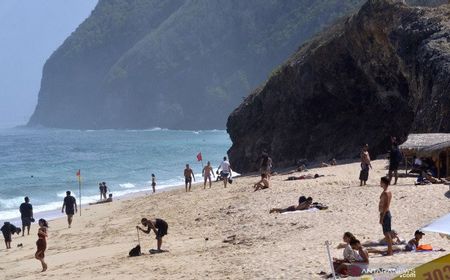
[365, 165]
[70, 204]
[395, 157]
[188, 176]
[41, 243]
[225, 168]
[26, 214]
[153, 183]
[385, 214]
[207, 172]
[159, 227]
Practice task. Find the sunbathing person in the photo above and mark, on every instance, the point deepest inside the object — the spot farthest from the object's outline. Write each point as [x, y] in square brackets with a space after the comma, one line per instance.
[262, 184]
[303, 204]
[303, 177]
[434, 180]
[396, 240]
[361, 262]
[414, 243]
[109, 199]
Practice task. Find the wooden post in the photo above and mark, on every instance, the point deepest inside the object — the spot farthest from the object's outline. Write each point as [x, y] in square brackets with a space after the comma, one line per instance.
[448, 163]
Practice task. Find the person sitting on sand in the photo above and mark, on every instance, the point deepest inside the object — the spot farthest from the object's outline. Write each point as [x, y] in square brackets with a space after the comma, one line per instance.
[109, 199]
[159, 227]
[41, 243]
[414, 243]
[328, 164]
[361, 262]
[434, 180]
[8, 230]
[262, 184]
[303, 204]
[349, 254]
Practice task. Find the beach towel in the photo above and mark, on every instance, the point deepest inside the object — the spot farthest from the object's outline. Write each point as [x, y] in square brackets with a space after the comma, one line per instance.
[302, 211]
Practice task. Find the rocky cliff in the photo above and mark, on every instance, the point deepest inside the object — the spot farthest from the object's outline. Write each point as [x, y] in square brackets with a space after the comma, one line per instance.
[382, 71]
[173, 63]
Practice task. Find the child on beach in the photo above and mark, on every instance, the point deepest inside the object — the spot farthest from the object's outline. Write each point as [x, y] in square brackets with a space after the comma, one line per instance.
[8, 230]
[153, 183]
[41, 243]
[159, 227]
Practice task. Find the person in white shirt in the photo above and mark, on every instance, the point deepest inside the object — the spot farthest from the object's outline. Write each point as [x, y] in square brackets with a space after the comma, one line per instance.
[225, 171]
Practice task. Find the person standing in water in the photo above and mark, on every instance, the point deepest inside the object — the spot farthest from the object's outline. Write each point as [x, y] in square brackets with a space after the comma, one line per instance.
[365, 165]
[385, 214]
[70, 204]
[153, 183]
[41, 243]
[207, 172]
[188, 176]
[225, 171]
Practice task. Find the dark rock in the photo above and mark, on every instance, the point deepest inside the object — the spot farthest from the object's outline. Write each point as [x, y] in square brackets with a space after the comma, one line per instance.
[383, 71]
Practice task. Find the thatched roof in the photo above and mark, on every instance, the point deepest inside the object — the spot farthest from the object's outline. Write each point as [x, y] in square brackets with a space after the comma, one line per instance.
[426, 144]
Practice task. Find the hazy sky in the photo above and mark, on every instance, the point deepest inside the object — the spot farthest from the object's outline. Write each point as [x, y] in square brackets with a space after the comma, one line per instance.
[30, 30]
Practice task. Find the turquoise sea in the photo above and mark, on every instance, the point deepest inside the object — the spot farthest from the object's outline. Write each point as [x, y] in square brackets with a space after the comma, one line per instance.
[42, 163]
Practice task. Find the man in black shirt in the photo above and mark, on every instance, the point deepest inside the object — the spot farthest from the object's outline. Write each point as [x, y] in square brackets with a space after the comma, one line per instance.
[26, 214]
[70, 203]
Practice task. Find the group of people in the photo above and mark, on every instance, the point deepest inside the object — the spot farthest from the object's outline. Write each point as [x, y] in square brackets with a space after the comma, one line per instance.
[103, 190]
[225, 174]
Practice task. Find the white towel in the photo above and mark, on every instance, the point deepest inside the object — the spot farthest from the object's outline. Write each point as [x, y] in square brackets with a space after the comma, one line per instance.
[302, 211]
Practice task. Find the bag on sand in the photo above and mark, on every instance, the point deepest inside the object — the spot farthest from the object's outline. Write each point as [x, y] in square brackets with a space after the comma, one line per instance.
[135, 252]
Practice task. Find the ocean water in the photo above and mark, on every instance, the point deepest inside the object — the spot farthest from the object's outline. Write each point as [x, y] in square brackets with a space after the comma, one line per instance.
[42, 163]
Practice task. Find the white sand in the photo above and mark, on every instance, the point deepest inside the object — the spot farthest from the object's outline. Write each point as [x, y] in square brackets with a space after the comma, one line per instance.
[267, 246]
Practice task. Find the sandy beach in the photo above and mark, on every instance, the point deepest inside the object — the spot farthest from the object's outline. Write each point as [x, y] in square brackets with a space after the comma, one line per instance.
[266, 246]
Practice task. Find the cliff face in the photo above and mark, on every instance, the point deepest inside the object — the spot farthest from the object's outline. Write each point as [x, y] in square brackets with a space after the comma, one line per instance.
[383, 71]
[175, 63]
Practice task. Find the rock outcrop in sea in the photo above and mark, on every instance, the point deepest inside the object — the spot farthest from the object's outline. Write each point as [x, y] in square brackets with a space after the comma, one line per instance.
[384, 71]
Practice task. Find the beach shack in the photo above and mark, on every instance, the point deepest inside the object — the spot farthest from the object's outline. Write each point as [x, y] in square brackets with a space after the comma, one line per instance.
[429, 145]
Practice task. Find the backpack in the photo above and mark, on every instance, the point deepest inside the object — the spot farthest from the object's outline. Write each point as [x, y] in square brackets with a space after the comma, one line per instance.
[135, 252]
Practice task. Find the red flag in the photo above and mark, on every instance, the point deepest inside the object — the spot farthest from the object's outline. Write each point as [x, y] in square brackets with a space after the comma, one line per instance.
[199, 157]
[78, 173]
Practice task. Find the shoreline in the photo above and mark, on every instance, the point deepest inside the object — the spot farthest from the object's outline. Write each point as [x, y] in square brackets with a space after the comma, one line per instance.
[222, 233]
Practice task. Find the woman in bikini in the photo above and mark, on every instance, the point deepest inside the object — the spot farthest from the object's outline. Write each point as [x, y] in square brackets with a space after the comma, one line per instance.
[41, 243]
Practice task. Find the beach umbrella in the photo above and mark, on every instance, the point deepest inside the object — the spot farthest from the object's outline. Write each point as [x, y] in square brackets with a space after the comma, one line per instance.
[441, 225]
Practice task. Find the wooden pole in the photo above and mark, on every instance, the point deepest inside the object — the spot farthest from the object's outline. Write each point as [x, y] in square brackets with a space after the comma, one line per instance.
[79, 188]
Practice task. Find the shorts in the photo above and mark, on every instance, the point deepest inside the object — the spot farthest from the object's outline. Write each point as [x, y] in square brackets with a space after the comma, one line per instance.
[187, 180]
[393, 167]
[26, 221]
[224, 174]
[207, 178]
[387, 222]
[162, 230]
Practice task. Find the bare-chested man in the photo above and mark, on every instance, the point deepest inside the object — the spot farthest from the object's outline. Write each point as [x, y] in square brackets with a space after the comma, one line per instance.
[207, 172]
[188, 175]
[385, 214]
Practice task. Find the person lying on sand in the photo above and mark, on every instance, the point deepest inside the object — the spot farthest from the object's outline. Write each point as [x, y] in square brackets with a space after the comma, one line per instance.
[328, 164]
[159, 227]
[396, 240]
[414, 243]
[303, 204]
[109, 199]
[262, 184]
[355, 268]
[303, 177]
